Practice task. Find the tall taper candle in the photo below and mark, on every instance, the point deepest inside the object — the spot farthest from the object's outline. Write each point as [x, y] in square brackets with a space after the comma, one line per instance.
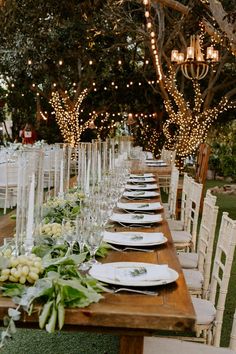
[30, 218]
[88, 178]
[61, 178]
[99, 167]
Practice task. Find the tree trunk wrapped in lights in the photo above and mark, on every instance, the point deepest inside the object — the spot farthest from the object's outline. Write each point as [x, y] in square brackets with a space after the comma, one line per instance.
[67, 115]
[191, 124]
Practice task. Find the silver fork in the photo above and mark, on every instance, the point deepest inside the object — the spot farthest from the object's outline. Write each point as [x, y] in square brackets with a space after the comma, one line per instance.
[133, 225]
[129, 248]
[143, 292]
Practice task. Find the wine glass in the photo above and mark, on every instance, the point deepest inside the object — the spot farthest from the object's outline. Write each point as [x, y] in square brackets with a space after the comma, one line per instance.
[70, 232]
[93, 240]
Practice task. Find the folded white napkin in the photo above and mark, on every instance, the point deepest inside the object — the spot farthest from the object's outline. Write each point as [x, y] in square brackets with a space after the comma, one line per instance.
[139, 273]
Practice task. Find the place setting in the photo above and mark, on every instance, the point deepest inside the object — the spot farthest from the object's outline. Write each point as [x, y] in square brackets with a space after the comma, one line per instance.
[133, 274]
[141, 186]
[140, 194]
[156, 163]
[140, 207]
[134, 220]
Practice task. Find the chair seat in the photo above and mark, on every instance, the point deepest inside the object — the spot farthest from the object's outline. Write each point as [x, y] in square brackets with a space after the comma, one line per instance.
[194, 279]
[158, 345]
[181, 236]
[205, 311]
[188, 260]
[176, 225]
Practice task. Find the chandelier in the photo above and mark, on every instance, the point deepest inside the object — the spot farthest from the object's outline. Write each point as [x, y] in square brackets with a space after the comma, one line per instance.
[194, 66]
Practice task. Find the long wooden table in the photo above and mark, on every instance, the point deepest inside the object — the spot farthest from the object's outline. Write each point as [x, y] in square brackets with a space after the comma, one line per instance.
[133, 316]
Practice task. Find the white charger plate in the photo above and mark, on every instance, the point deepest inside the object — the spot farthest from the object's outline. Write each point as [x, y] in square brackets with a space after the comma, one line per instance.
[141, 179]
[157, 164]
[141, 186]
[106, 273]
[136, 218]
[139, 239]
[140, 206]
[140, 194]
[144, 175]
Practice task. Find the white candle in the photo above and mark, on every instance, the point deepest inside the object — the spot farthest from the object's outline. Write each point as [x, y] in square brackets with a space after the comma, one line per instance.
[110, 163]
[88, 178]
[30, 218]
[61, 179]
[99, 168]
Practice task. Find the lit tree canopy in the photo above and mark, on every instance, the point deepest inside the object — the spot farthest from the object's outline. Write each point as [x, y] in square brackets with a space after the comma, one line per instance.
[60, 49]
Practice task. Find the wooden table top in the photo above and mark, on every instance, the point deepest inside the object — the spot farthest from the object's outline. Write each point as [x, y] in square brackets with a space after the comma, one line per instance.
[126, 313]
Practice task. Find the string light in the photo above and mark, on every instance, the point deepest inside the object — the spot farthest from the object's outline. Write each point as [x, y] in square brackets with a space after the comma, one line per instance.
[67, 116]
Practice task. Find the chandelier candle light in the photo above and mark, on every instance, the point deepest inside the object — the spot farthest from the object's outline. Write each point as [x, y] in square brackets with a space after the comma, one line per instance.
[194, 66]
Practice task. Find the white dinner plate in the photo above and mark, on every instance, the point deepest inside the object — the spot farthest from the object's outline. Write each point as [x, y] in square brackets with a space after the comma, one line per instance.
[141, 186]
[135, 238]
[140, 194]
[142, 179]
[156, 164]
[136, 218]
[134, 273]
[154, 161]
[140, 206]
[144, 175]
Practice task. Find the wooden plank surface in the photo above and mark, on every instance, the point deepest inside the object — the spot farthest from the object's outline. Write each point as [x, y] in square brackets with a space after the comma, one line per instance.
[133, 314]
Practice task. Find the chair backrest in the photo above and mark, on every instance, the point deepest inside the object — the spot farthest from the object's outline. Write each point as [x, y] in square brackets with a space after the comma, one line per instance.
[206, 238]
[221, 271]
[192, 212]
[168, 156]
[232, 343]
[174, 181]
[184, 198]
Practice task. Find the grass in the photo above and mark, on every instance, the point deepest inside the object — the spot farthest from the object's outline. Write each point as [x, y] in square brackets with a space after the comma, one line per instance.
[28, 341]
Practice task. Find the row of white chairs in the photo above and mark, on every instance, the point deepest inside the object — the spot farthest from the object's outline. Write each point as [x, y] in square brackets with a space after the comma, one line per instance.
[208, 289]
[209, 310]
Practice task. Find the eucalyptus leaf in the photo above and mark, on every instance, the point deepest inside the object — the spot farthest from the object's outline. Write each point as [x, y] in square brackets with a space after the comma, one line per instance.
[12, 327]
[14, 314]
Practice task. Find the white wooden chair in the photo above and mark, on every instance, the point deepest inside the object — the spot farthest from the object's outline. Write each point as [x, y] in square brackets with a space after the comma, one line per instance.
[170, 207]
[8, 183]
[186, 239]
[179, 224]
[209, 313]
[168, 156]
[197, 265]
[161, 345]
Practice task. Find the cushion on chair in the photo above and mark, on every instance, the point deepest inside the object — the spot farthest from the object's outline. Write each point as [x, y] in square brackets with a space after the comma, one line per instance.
[193, 278]
[188, 260]
[175, 225]
[158, 345]
[181, 236]
[205, 311]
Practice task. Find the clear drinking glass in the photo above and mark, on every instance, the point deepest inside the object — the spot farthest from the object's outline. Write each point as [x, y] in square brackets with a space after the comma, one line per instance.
[93, 240]
[70, 232]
